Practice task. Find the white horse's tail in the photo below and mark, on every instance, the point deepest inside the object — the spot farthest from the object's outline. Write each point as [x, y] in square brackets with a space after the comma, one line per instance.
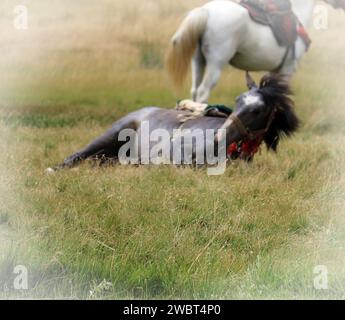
[184, 44]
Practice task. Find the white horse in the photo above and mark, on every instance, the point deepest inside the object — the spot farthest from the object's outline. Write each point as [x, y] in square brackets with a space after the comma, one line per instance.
[222, 32]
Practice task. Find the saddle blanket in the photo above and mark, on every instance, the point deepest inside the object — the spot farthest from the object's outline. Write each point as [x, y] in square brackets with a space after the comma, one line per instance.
[278, 15]
[195, 110]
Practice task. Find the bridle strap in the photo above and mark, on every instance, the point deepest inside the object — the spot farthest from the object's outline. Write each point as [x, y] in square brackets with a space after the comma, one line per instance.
[240, 127]
[252, 135]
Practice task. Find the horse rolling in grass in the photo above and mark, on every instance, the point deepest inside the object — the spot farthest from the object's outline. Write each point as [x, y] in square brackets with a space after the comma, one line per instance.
[223, 32]
[263, 114]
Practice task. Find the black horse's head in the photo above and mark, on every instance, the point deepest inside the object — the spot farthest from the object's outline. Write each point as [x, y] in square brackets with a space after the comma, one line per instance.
[265, 113]
[337, 4]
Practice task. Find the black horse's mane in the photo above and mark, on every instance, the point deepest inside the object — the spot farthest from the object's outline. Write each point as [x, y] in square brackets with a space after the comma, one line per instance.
[277, 94]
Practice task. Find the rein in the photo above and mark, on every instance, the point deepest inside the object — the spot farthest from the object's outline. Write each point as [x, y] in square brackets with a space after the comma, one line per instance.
[249, 134]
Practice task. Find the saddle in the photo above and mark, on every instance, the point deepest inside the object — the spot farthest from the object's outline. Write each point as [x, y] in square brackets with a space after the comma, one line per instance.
[278, 15]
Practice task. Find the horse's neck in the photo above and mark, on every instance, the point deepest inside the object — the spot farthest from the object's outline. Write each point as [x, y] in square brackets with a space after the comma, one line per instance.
[304, 10]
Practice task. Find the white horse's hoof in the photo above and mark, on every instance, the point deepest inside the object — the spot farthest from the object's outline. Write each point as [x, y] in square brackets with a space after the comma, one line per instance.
[49, 171]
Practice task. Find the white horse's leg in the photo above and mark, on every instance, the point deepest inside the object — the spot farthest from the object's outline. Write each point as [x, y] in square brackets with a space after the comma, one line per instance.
[291, 64]
[211, 78]
[198, 71]
[216, 59]
[288, 69]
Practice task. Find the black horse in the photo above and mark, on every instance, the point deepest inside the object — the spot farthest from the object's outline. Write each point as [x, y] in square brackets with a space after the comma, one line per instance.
[263, 114]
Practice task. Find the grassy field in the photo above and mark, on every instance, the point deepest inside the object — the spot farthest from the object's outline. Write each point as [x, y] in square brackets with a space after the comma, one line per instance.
[158, 232]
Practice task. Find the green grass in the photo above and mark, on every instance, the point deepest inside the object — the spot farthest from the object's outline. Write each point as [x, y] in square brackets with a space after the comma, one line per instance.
[258, 231]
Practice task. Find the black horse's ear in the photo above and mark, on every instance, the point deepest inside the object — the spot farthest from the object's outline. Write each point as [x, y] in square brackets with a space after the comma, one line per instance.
[250, 81]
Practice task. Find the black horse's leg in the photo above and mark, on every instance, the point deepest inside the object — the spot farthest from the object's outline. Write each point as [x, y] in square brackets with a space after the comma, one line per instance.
[106, 145]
